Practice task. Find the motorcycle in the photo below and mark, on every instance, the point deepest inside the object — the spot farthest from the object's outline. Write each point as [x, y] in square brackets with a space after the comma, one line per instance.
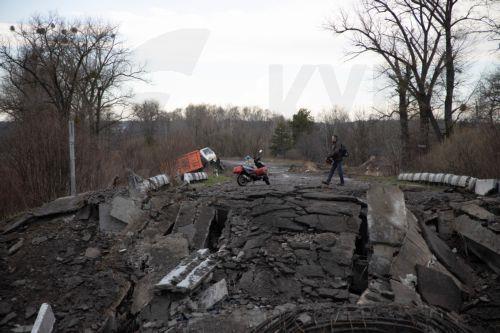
[248, 173]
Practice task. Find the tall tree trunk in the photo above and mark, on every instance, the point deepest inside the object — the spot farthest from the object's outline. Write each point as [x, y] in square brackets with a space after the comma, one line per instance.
[450, 85]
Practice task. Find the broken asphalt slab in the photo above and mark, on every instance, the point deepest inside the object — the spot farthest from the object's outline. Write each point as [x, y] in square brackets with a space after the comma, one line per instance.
[483, 242]
[45, 320]
[450, 260]
[438, 289]
[125, 210]
[386, 215]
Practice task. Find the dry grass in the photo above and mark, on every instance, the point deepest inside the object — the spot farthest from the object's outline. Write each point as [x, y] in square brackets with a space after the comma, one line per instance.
[473, 151]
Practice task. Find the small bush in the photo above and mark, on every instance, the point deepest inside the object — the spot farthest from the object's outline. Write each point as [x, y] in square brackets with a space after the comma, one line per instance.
[471, 151]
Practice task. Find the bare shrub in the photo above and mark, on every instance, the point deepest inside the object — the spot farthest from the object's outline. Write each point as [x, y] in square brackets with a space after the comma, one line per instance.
[471, 151]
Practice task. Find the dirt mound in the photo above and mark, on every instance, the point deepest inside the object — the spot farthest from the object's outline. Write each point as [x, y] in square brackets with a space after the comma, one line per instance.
[306, 167]
[377, 166]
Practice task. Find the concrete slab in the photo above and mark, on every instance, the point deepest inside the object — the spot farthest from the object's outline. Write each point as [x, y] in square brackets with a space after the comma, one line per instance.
[439, 178]
[213, 295]
[424, 177]
[447, 178]
[445, 222]
[62, 205]
[182, 270]
[416, 177]
[463, 181]
[386, 214]
[483, 242]
[125, 210]
[432, 177]
[196, 276]
[485, 186]
[471, 185]
[438, 289]
[454, 180]
[186, 215]
[477, 212]
[17, 222]
[107, 223]
[206, 216]
[450, 260]
[45, 320]
[195, 176]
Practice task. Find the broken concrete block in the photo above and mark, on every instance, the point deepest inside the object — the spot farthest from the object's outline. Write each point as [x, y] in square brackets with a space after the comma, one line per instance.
[92, 252]
[471, 185]
[14, 248]
[463, 181]
[438, 289]
[386, 214]
[439, 178]
[45, 320]
[404, 294]
[125, 210]
[445, 222]
[157, 182]
[450, 260]
[185, 215]
[483, 242]
[478, 212]
[182, 270]
[206, 216]
[195, 176]
[18, 222]
[214, 294]
[62, 205]
[107, 223]
[196, 276]
[485, 186]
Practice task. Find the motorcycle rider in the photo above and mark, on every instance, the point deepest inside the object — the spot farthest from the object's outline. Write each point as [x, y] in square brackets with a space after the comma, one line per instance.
[336, 156]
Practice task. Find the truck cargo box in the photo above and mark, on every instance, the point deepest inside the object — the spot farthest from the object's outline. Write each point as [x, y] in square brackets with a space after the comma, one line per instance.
[189, 162]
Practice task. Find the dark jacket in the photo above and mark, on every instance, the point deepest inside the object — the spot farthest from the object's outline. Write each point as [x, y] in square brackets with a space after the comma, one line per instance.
[337, 152]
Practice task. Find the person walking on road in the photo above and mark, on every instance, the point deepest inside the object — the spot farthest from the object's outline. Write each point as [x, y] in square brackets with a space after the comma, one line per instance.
[337, 154]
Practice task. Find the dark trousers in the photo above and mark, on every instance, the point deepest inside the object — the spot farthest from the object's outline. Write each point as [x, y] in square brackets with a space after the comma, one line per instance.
[335, 165]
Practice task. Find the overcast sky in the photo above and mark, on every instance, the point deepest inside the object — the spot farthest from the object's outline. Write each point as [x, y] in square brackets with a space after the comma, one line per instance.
[273, 54]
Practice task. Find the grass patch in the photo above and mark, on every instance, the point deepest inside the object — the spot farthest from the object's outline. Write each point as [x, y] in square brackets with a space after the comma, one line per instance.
[212, 180]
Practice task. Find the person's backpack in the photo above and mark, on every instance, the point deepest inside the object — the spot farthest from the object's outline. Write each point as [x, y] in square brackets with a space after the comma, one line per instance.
[343, 151]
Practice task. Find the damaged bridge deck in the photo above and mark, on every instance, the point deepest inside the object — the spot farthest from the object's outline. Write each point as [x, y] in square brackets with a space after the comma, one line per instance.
[285, 257]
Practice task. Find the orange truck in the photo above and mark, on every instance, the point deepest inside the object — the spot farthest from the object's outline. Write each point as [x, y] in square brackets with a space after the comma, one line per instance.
[194, 160]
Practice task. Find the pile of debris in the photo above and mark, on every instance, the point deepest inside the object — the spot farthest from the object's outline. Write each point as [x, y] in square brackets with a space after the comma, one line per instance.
[285, 257]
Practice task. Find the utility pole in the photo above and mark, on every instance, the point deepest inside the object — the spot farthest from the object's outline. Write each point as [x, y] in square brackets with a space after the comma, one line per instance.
[72, 176]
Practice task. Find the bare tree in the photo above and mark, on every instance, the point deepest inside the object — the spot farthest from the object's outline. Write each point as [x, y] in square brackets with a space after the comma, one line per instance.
[77, 65]
[148, 113]
[405, 35]
[446, 13]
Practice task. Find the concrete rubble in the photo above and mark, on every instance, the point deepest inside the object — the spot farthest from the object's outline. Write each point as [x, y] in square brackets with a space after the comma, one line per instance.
[281, 258]
[45, 320]
[194, 177]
